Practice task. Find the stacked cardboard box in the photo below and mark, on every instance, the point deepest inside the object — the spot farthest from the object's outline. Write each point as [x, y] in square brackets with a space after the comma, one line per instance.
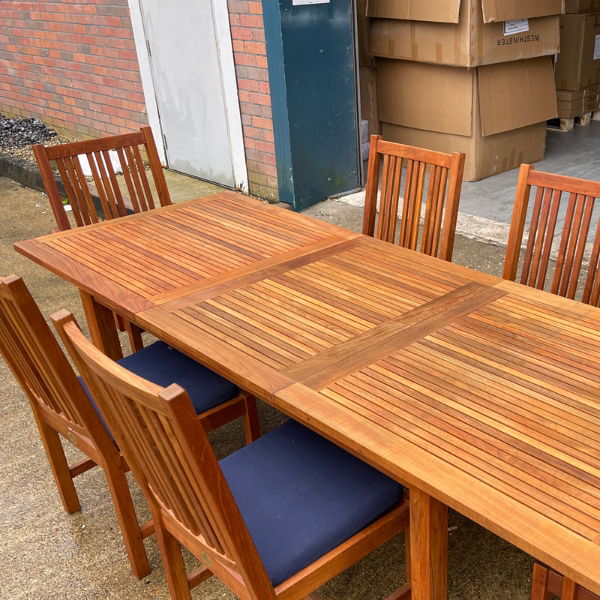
[467, 75]
[578, 65]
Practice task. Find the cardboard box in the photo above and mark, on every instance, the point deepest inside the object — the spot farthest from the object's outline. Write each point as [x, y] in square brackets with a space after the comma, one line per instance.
[578, 64]
[368, 98]
[571, 104]
[592, 99]
[471, 43]
[576, 104]
[461, 108]
[582, 6]
[486, 156]
[363, 34]
[448, 11]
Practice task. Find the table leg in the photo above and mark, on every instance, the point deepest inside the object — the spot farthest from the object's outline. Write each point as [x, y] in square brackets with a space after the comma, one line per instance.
[428, 547]
[101, 323]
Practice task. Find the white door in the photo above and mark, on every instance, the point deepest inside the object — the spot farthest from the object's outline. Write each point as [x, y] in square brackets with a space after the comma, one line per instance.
[193, 76]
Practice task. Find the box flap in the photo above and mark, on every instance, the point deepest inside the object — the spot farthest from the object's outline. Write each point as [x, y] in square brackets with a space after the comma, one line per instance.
[438, 11]
[431, 97]
[508, 10]
[516, 94]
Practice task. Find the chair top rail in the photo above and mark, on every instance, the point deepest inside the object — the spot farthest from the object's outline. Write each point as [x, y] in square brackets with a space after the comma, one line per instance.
[440, 159]
[564, 183]
[97, 145]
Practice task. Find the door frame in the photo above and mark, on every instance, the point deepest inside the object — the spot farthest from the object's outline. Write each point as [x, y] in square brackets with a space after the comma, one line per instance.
[228, 77]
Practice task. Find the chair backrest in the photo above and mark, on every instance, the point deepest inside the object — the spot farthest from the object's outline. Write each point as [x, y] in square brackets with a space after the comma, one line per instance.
[114, 201]
[432, 178]
[170, 455]
[42, 369]
[556, 198]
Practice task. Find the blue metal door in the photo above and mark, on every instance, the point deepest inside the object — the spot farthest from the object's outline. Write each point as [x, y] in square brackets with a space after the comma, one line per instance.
[312, 68]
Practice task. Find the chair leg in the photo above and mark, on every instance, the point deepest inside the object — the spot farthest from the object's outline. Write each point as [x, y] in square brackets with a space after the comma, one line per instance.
[539, 583]
[59, 466]
[135, 336]
[251, 423]
[125, 511]
[569, 589]
[170, 553]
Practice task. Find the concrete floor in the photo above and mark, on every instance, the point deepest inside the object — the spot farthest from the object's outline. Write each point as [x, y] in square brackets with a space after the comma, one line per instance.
[576, 153]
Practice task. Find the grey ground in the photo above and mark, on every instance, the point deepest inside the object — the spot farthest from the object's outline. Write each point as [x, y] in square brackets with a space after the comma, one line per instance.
[47, 554]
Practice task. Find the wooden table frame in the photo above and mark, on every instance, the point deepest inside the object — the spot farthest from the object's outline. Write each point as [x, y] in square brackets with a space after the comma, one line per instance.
[477, 393]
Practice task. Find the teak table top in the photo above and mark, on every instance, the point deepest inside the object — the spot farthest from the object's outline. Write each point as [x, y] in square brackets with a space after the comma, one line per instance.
[479, 393]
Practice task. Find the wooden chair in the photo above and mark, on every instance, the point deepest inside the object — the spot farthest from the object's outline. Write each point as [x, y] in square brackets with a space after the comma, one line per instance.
[547, 584]
[113, 200]
[433, 176]
[60, 405]
[578, 196]
[275, 519]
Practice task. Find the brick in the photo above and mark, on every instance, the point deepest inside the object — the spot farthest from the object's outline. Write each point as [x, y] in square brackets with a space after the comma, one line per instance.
[68, 61]
[237, 6]
[251, 21]
[255, 8]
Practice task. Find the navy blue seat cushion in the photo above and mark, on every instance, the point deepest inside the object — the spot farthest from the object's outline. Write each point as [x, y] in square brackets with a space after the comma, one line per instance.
[164, 365]
[301, 496]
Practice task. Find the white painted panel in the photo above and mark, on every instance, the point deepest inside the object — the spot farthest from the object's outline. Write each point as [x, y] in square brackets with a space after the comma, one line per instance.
[184, 54]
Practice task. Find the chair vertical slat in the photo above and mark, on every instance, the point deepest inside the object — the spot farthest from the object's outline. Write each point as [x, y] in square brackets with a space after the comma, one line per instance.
[111, 200]
[591, 291]
[438, 221]
[131, 190]
[533, 229]
[71, 190]
[564, 242]
[572, 244]
[403, 239]
[136, 178]
[206, 518]
[395, 196]
[582, 237]
[548, 239]
[569, 273]
[385, 197]
[418, 203]
[102, 192]
[443, 174]
[78, 176]
[120, 210]
[430, 209]
[141, 169]
[540, 239]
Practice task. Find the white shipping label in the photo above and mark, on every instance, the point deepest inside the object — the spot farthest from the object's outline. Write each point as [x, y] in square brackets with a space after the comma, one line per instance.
[516, 26]
[597, 48]
[304, 2]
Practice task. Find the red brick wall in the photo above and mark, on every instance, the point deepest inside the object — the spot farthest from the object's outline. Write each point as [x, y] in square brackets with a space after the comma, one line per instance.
[250, 55]
[71, 63]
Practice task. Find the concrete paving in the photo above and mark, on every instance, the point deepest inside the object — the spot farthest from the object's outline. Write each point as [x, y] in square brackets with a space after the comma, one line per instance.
[46, 554]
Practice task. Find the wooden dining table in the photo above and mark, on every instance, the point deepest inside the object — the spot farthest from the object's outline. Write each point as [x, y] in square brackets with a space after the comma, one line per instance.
[476, 393]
